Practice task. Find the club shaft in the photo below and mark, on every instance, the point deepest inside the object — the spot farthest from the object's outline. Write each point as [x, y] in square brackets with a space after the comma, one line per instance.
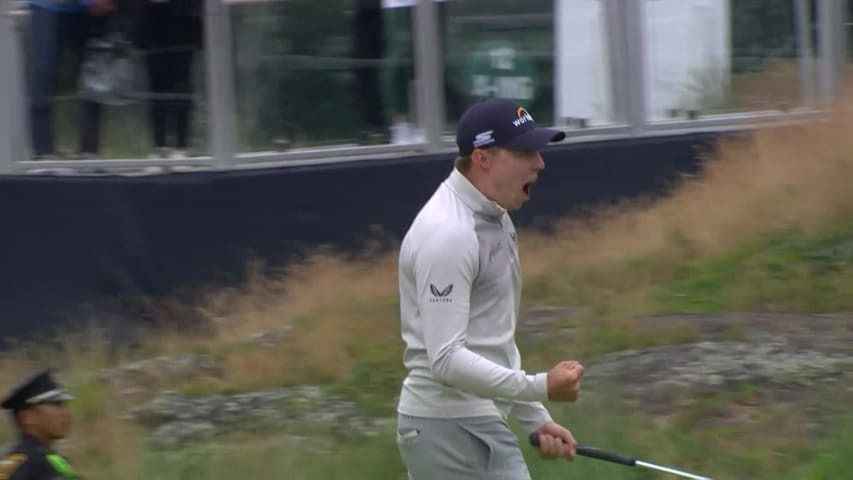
[669, 470]
[616, 458]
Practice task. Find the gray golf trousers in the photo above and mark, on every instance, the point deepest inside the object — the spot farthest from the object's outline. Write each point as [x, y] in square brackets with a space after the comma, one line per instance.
[472, 448]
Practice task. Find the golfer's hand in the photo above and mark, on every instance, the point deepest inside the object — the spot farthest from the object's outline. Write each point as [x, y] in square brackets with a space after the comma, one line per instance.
[564, 381]
[555, 442]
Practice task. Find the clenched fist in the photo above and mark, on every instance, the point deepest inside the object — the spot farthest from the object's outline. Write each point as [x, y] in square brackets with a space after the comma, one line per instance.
[555, 441]
[564, 381]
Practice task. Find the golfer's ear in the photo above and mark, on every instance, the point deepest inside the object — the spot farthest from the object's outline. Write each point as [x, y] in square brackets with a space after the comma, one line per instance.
[481, 158]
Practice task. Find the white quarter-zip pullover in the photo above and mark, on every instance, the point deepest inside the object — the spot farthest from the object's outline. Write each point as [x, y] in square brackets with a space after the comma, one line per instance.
[460, 290]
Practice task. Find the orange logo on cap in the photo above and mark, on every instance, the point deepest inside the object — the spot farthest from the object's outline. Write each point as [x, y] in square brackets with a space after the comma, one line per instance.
[522, 117]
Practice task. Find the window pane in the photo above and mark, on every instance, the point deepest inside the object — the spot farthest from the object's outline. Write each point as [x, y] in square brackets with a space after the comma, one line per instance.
[720, 56]
[499, 48]
[126, 84]
[584, 89]
[324, 73]
[399, 74]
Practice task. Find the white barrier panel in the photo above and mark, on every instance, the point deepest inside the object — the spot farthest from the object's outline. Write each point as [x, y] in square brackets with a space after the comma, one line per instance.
[686, 48]
[688, 53]
[583, 83]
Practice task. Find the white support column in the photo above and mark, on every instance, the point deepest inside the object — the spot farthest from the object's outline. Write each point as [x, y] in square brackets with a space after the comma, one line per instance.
[635, 58]
[20, 100]
[832, 19]
[219, 65]
[429, 73]
[8, 83]
[615, 34]
[626, 55]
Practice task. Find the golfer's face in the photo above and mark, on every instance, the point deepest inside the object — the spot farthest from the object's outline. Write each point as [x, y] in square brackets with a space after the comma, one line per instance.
[512, 175]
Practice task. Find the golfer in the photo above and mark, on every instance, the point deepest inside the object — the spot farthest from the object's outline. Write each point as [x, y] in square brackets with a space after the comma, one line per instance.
[460, 290]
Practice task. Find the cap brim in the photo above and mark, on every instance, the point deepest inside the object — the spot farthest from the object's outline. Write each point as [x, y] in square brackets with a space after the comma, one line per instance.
[51, 397]
[535, 139]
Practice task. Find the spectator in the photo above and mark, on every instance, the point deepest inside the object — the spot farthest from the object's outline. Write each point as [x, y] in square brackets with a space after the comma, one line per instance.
[169, 34]
[369, 44]
[54, 26]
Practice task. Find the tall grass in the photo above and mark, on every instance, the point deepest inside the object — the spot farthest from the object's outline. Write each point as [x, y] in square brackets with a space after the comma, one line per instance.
[793, 177]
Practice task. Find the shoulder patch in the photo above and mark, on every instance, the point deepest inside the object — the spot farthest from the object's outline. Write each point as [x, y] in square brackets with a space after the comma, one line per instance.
[10, 463]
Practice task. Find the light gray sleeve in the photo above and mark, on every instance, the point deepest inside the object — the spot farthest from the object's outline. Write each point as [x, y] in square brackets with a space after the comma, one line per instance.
[445, 268]
[531, 415]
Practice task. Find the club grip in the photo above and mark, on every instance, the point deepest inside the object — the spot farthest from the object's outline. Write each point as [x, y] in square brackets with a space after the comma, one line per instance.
[602, 455]
[592, 452]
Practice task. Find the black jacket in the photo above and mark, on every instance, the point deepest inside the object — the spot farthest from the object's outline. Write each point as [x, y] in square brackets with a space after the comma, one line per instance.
[168, 24]
[28, 460]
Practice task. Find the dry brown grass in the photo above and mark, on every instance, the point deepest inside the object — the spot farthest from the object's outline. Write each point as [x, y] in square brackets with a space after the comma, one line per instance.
[794, 175]
[776, 86]
[102, 445]
[333, 308]
[322, 283]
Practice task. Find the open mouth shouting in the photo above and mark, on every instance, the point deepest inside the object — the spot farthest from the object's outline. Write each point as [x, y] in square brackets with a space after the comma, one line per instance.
[526, 188]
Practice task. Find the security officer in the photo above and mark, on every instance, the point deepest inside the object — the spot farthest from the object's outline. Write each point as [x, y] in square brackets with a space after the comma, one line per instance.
[37, 406]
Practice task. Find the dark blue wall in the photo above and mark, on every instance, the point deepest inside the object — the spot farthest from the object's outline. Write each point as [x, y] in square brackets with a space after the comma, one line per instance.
[70, 241]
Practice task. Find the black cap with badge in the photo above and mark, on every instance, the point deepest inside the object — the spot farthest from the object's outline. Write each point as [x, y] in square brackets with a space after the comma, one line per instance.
[501, 123]
[39, 388]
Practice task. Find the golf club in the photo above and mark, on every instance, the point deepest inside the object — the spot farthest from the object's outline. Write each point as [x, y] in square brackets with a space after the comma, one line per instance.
[593, 452]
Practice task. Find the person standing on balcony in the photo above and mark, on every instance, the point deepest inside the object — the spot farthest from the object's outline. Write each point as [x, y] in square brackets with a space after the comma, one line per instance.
[54, 27]
[170, 33]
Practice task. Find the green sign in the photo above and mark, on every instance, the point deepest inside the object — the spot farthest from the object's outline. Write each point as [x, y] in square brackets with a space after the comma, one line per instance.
[500, 69]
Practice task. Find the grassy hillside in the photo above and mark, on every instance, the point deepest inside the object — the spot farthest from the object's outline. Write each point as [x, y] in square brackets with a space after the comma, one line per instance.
[768, 226]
